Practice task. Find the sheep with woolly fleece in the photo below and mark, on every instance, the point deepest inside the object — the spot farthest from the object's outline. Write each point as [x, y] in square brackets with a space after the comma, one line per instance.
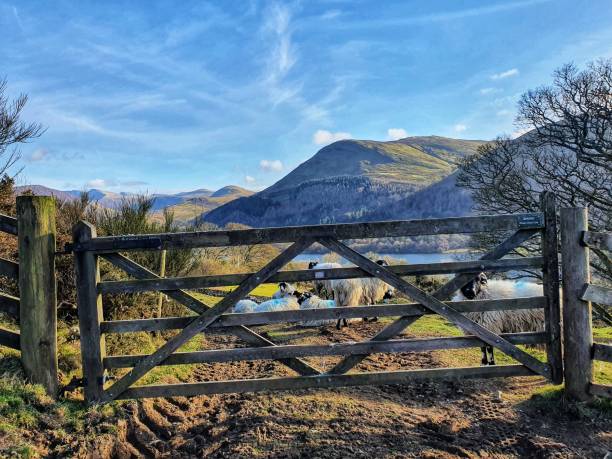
[515, 321]
[284, 290]
[288, 303]
[323, 288]
[355, 292]
[244, 306]
[310, 301]
[376, 290]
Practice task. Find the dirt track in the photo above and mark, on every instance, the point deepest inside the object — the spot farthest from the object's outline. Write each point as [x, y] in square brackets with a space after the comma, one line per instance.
[425, 419]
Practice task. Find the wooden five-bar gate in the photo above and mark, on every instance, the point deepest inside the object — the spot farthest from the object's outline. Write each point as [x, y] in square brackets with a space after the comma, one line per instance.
[88, 249]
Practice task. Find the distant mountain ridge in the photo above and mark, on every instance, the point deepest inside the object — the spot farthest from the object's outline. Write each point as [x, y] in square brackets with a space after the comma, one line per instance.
[361, 180]
[206, 199]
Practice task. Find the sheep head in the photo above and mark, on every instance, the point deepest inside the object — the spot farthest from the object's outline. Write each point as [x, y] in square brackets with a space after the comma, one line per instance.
[473, 288]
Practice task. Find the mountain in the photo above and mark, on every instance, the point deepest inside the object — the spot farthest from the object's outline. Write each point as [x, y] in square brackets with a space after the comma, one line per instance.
[190, 209]
[187, 205]
[360, 180]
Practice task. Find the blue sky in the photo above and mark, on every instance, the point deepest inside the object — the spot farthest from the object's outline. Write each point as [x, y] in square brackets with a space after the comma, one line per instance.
[172, 96]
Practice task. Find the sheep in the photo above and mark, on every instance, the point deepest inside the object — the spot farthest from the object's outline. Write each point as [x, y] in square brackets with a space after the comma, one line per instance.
[375, 290]
[288, 303]
[498, 322]
[309, 301]
[244, 306]
[284, 290]
[353, 292]
[323, 288]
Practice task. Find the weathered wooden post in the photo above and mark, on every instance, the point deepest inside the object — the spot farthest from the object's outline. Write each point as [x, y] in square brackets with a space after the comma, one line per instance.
[37, 290]
[93, 348]
[577, 332]
[550, 271]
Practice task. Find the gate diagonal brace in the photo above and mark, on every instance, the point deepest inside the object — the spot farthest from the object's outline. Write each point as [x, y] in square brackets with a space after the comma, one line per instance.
[436, 306]
[446, 290]
[205, 319]
[246, 334]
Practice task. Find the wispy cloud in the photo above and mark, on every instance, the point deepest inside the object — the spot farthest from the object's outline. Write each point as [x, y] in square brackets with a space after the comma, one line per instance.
[249, 179]
[485, 91]
[331, 14]
[459, 127]
[271, 165]
[445, 16]
[396, 133]
[506, 74]
[323, 137]
[40, 154]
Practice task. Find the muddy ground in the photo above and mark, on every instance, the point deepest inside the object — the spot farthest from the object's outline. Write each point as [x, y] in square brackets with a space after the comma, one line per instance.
[467, 419]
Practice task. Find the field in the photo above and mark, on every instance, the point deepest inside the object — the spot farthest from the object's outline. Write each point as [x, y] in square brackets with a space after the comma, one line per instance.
[511, 417]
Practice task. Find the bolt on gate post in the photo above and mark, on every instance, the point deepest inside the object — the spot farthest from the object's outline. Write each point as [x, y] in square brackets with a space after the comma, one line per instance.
[577, 331]
[37, 289]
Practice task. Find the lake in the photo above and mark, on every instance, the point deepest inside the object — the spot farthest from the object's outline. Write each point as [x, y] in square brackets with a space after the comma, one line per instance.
[409, 258]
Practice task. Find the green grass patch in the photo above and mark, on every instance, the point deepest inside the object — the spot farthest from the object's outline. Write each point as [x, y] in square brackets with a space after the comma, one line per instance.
[602, 334]
[551, 400]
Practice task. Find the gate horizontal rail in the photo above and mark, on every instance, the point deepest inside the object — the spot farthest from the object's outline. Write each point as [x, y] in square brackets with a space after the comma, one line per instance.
[456, 225]
[351, 312]
[216, 319]
[227, 280]
[323, 381]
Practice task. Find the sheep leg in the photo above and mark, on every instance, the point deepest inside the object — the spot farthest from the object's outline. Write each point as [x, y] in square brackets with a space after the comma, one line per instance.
[338, 324]
[344, 322]
[485, 359]
[492, 358]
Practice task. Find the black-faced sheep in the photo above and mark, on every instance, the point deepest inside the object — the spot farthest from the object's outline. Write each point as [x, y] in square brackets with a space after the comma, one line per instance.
[515, 321]
[284, 290]
[309, 301]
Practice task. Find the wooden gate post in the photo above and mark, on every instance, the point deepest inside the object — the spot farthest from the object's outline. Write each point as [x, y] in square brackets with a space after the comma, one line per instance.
[550, 274]
[577, 332]
[93, 348]
[37, 290]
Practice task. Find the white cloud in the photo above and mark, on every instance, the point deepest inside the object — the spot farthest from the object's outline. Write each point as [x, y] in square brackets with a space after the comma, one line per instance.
[248, 179]
[459, 127]
[331, 14]
[323, 137]
[97, 183]
[39, 154]
[503, 112]
[485, 91]
[396, 133]
[506, 74]
[271, 165]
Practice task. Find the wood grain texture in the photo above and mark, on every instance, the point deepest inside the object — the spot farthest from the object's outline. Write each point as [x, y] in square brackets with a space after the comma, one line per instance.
[93, 345]
[323, 381]
[577, 331]
[459, 225]
[551, 276]
[37, 290]
[297, 350]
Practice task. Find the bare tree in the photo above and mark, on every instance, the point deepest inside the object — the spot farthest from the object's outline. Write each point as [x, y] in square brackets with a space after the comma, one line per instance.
[13, 131]
[568, 150]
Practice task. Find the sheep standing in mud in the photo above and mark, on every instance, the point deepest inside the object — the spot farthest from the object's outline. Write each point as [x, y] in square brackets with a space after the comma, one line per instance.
[516, 321]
